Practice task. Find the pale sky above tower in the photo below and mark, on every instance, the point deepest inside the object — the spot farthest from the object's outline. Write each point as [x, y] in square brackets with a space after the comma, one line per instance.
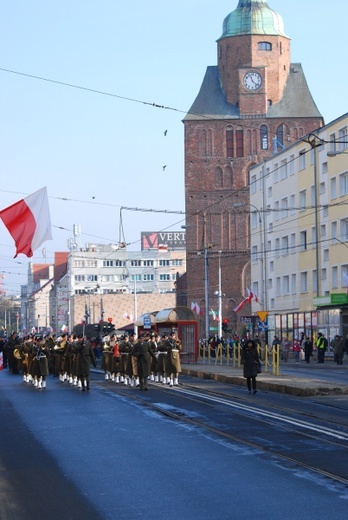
[106, 131]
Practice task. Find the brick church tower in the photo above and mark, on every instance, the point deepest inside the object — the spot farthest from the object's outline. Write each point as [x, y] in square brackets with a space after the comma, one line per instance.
[253, 100]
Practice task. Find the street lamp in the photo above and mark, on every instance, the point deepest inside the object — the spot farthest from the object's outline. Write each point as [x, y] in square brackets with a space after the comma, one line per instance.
[335, 153]
[220, 300]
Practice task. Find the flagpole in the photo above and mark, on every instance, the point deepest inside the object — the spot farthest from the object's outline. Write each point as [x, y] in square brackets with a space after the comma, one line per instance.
[220, 300]
[206, 288]
[135, 305]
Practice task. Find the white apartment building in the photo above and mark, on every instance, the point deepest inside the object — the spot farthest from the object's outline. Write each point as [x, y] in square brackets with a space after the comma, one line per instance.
[299, 234]
[146, 279]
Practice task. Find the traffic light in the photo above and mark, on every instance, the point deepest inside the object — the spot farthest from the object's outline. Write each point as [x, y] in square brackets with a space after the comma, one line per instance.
[225, 325]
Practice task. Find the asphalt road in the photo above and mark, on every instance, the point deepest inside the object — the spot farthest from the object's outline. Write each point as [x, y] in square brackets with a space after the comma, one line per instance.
[103, 454]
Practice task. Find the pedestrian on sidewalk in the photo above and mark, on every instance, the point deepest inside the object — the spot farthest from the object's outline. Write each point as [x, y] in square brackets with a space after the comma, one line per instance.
[321, 347]
[307, 346]
[251, 362]
[285, 348]
[338, 348]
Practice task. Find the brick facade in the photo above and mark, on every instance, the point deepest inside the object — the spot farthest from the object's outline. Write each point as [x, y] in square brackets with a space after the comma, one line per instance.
[218, 154]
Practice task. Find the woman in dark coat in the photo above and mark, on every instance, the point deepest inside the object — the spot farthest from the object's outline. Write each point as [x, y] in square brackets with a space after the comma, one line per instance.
[250, 362]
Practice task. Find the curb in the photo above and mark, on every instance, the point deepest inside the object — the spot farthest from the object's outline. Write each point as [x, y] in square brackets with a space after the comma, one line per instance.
[297, 388]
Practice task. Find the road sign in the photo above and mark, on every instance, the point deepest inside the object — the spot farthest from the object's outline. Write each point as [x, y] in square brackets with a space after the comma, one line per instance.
[110, 320]
[147, 322]
[262, 315]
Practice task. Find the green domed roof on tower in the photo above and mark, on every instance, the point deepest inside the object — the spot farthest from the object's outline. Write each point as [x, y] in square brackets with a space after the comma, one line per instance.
[253, 17]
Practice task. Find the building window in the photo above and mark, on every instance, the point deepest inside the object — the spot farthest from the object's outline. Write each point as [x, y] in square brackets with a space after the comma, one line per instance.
[332, 142]
[283, 169]
[275, 173]
[333, 188]
[79, 263]
[135, 277]
[229, 142]
[344, 275]
[253, 185]
[293, 243]
[79, 278]
[304, 282]
[148, 263]
[277, 248]
[264, 46]
[303, 240]
[239, 143]
[284, 208]
[343, 139]
[285, 246]
[119, 263]
[323, 230]
[163, 263]
[343, 183]
[334, 233]
[177, 263]
[326, 255]
[254, 254]
[148, 277]
[292, 165]
[303, 200]
[135, 263]
[277, 288]
[91, 278]
[302, 160]
[271, 266]
[280, 138]
[164, 277]
[264, 137]
[322, 188]
[344, 229]
[334, 277]
[293, 284]
[276, 210]
[292, 204]
[286, 285]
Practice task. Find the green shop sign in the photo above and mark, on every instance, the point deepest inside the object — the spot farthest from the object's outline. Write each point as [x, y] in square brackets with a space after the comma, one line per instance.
[332, 299]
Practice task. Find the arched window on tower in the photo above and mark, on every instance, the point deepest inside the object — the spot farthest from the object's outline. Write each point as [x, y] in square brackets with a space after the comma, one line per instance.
[264, 46]
[264, 137]
[229, 141]
[218, 178]
[239, 142]
[228, 184]
[279, 141]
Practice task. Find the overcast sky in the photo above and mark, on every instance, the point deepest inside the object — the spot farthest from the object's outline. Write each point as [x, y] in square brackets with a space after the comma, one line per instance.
[103, 146]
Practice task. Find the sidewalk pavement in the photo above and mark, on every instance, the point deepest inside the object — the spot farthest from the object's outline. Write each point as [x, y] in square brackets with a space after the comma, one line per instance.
[300, 385]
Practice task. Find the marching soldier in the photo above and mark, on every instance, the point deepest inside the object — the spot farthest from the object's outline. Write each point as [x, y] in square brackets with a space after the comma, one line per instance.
[162, 359]
[39, 362]
[143, 352]
[84, 357]
[60, 349]
[115, 362]
[125, 349]
[155, 340]
[135, 374]
[173, 346]
[107, 354]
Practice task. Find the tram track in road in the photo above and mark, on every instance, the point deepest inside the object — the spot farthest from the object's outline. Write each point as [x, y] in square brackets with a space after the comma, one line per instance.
[312, 444]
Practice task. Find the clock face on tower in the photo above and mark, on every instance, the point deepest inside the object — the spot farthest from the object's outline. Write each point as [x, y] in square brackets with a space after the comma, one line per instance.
[252, 81]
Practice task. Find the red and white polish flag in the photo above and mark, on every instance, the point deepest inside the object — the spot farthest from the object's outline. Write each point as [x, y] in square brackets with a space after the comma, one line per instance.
[28, 221]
